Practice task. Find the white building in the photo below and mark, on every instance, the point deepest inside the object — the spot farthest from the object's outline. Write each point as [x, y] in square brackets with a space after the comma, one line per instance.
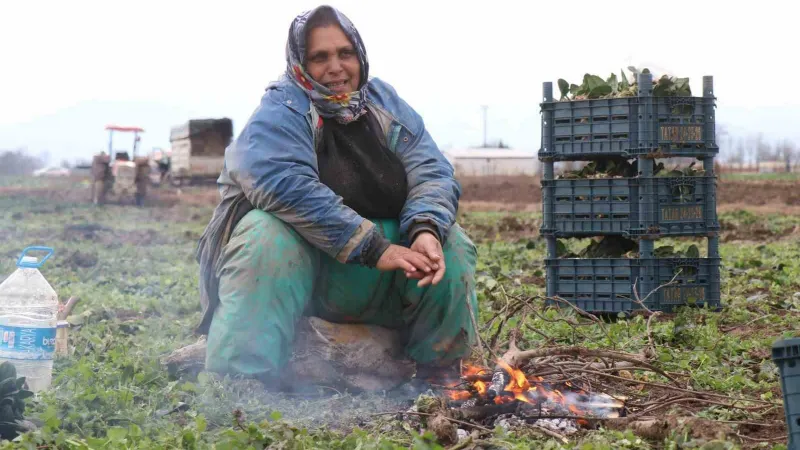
[492, 161]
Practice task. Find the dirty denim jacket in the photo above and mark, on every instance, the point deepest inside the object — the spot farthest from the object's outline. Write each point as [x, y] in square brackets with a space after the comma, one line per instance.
[272, 166]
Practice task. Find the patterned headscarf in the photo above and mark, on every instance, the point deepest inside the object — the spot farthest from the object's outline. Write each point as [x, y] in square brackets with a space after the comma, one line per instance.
[345, 107]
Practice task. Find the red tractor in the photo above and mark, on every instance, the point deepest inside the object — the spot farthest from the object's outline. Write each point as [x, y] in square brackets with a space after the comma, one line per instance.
[118, 172]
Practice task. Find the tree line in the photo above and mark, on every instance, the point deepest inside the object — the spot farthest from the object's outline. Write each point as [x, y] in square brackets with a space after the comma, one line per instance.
[752, 150]
[19, 162]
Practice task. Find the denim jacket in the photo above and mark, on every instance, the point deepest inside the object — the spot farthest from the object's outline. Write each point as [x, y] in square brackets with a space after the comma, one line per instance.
[273, 165]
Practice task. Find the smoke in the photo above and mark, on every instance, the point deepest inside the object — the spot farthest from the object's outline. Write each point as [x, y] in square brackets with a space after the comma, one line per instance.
[311, 406]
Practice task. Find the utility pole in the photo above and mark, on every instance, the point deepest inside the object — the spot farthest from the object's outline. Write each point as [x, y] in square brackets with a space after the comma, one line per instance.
[485, 108]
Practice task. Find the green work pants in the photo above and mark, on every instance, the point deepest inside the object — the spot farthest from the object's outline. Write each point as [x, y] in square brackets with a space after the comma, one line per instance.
[269, 277]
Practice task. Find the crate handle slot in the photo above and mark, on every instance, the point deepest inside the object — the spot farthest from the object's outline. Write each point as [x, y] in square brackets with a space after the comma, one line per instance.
[682, 190]
[672, 102]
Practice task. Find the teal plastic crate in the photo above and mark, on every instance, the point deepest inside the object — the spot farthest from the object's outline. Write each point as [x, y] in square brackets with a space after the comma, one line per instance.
[786, 355]
[629, 126]
[652, 206]
[605, 285]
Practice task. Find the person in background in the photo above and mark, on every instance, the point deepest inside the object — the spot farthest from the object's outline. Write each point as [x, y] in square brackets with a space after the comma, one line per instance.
[336, 203]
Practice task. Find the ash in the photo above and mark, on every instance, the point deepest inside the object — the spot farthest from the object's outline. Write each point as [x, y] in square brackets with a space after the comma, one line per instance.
[469, 403]
[562, 426]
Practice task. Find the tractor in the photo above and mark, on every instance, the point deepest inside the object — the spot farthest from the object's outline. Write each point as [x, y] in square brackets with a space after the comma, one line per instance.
[118, 172]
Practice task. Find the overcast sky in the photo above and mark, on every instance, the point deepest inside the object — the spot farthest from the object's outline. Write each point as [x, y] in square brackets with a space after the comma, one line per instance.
[68, 68]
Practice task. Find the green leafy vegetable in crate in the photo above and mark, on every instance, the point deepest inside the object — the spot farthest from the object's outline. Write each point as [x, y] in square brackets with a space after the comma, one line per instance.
[602, 247]
[594, 87]
[622, 168]
[606, 168]
[688, 171]
[621, 247]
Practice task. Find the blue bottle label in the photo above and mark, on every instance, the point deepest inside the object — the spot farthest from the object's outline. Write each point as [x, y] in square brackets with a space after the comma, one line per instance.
[27, 343]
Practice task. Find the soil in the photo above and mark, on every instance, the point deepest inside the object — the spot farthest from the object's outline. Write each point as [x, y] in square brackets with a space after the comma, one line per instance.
[113, 238]
[505, 190]
[510, 193]
[509, 228]
[527, 190]
[759, 232]
[759, 192]
[496, 194]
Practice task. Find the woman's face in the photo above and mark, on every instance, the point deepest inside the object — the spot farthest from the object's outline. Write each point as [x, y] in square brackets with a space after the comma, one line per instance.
[332, 60]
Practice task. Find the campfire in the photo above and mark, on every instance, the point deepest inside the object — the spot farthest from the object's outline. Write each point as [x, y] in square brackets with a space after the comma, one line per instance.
[552, 390]
[509, 396]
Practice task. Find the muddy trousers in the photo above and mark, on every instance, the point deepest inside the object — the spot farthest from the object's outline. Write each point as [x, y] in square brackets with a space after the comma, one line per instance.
[269, 276]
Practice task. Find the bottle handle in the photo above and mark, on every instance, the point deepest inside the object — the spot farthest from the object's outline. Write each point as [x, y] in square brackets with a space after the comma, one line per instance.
[34, 265]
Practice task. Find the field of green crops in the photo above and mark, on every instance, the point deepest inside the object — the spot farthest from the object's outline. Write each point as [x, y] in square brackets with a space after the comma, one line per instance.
[135, 274]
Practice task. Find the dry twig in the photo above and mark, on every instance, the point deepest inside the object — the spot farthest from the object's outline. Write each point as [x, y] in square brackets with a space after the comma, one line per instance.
[462, 445]
[515, 358]
[550, 433]
[477, 332]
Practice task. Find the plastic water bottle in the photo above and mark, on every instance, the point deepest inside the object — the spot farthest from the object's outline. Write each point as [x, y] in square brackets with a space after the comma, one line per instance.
[28, 320]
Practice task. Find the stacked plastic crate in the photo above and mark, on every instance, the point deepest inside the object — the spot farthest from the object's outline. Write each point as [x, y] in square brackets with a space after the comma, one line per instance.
[643, 208]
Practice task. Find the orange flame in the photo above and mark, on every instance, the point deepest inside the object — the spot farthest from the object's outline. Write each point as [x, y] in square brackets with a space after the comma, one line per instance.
[520, 388]
[479, 386]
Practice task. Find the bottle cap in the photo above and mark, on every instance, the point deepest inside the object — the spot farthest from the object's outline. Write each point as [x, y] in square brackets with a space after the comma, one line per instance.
[30, 259]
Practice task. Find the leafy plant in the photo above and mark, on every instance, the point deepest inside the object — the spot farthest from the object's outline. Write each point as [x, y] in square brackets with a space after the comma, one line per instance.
[603, 247]
[622, 247]
[668, 251]
[688, 171]
[12, 402]
[594, 86]
[622, 168]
